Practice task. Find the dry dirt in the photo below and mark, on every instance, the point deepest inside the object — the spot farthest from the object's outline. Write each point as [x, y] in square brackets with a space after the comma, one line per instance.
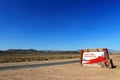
[65, 72]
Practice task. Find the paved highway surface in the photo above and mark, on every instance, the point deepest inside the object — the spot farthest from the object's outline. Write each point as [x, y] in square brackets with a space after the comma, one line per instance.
[36, 65]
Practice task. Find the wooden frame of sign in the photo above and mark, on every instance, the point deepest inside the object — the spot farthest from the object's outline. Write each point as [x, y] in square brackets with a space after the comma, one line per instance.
[103, 50]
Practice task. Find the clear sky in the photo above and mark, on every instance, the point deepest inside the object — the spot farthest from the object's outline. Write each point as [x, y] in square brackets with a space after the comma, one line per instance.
[59, 24]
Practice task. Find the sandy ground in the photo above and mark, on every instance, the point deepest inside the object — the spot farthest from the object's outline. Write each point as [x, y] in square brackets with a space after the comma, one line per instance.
[65, 72]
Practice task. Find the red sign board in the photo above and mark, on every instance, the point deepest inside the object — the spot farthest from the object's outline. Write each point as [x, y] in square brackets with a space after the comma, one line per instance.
[92, 56]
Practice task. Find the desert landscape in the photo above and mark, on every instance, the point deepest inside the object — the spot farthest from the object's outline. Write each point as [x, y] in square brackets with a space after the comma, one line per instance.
[65, 72]
[59, 40]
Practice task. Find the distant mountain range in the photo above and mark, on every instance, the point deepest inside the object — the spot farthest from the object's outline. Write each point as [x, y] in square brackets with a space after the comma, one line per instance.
[49, 51]
[113, 51]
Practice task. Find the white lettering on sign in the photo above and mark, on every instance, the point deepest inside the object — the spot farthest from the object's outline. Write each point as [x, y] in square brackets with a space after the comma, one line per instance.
[93, 57]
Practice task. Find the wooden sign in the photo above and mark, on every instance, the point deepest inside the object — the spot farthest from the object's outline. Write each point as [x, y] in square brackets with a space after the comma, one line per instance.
[94, 57]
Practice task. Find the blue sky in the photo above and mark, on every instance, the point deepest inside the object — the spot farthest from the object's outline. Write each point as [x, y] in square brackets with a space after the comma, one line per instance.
[59, 24]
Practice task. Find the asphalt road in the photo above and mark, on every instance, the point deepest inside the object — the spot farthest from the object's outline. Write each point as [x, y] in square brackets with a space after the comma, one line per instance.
[36, 65]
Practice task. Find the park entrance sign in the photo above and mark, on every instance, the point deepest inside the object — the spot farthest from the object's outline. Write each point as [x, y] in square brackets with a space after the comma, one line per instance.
[95, 57]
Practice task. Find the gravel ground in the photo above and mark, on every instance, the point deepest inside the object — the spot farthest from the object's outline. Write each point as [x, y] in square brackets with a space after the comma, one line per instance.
[65, 72]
